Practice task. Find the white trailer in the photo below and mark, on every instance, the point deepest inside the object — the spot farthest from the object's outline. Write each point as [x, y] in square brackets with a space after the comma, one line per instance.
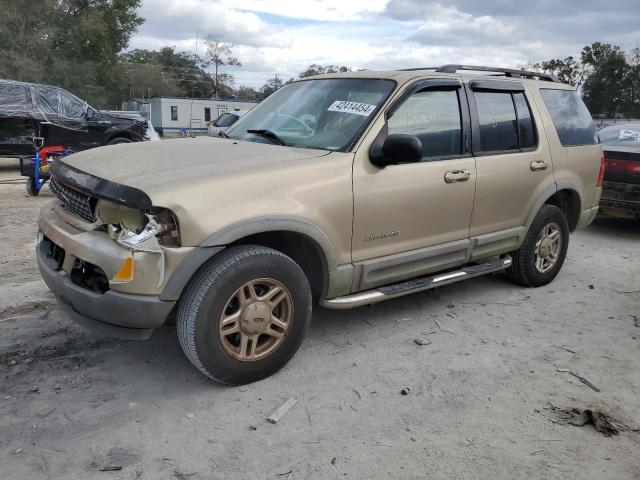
[175, 116]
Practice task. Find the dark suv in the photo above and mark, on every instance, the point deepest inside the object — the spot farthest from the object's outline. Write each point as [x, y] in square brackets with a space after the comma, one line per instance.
[30, 111]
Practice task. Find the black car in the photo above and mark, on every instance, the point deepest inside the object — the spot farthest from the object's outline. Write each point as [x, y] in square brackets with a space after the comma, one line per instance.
[621, 186]
[46, 115]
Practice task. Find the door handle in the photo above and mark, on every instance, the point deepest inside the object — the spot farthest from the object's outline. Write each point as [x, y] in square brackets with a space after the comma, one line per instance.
[454, 176]
[538, 165]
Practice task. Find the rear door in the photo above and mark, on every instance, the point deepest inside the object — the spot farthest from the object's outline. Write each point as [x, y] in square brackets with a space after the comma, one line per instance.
[512, 160]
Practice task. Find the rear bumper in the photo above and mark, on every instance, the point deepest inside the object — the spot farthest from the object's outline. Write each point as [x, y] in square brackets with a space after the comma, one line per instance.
[620, 199]
[587, 216]
[110, 313]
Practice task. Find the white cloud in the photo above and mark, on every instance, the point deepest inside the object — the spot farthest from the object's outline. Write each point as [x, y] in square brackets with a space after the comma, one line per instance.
[183, 19]
[317, 10]
[283, 36]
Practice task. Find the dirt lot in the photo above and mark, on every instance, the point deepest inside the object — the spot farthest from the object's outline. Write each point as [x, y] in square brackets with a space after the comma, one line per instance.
[485, 398]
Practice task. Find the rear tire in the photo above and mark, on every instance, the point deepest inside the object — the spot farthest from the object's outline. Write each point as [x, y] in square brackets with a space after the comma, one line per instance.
[541, 255]
[244, 315]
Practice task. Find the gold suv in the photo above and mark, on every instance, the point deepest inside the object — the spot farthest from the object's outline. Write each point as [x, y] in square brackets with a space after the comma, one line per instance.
[344, 190]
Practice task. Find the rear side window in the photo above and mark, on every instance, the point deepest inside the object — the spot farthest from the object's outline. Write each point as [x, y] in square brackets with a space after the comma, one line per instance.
[433, 116]
[570, 116]
[497, 120]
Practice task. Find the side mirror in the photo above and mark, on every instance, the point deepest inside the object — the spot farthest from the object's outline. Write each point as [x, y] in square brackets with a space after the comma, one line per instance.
[90, 113]
[398, 148]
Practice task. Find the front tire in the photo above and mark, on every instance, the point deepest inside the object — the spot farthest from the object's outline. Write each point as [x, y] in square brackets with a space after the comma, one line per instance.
[541, 255]
[244, 315]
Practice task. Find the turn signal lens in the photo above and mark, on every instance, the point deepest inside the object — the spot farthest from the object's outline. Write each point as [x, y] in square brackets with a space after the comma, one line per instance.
[125, 273]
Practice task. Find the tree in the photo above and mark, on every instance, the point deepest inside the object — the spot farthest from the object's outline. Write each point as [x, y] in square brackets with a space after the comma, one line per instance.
[24, 31]
[220, 55]
[315, 69]
[607, 68]
[272, 85]
[70, 43]
[248, 93]
[609, 80]
[567, 70]
[167, 72]
[631, 105]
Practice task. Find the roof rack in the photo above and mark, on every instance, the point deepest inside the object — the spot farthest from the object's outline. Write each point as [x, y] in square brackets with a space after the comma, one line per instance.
[507, 72]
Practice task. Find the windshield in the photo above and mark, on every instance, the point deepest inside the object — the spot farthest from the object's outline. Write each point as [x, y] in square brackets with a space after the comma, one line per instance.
[326, 114]
[627, 135]
[226, 119]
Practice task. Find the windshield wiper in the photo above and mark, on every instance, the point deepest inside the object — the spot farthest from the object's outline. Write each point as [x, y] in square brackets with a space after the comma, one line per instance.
[268, 134]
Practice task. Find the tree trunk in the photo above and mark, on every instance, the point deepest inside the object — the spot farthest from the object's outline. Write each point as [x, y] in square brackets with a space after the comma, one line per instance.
[216, 81]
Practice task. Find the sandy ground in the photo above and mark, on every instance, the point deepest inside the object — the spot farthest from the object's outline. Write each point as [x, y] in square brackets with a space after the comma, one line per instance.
[480, 405]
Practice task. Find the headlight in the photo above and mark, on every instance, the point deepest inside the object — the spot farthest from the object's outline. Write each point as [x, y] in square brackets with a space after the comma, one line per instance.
[138, 230]
[129, 238]
[161, 226]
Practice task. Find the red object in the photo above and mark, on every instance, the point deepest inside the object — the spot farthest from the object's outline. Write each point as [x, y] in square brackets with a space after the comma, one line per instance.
[622, 166]
[45, 151]
[601, 172]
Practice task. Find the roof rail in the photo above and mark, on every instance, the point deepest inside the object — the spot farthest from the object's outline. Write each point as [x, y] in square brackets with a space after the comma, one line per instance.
[507, 72]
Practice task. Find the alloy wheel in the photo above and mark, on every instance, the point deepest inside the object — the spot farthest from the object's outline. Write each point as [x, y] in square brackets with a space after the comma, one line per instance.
[256, 319]
[548, 247]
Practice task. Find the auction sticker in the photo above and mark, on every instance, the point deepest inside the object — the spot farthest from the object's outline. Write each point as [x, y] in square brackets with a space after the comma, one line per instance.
[356, 108]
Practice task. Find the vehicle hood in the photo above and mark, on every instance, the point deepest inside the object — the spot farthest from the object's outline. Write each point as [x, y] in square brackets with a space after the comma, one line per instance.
[158, 168]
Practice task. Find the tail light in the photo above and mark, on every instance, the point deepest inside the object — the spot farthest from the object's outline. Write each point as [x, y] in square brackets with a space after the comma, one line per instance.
[621, 166]
[601, 172]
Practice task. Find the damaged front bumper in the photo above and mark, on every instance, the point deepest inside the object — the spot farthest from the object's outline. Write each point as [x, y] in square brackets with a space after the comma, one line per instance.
[82, 270]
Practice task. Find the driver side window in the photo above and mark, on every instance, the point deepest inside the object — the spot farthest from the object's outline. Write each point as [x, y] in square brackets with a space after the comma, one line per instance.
[433, 116]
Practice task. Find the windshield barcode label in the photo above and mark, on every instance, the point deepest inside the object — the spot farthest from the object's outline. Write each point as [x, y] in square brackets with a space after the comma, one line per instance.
[356, 108]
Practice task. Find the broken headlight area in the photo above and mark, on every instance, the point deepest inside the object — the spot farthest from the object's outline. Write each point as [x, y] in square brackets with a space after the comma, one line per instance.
[138, 230]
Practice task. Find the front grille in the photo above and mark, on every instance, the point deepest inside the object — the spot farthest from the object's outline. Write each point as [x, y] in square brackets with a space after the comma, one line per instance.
[74, 201]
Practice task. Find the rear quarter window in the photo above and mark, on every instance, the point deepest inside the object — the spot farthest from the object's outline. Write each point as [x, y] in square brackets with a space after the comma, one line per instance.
[570, 116]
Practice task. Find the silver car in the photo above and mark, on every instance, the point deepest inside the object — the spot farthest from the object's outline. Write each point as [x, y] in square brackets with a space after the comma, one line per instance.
[223, 122]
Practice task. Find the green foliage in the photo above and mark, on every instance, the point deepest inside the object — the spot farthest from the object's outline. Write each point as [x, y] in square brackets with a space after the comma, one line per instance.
[608, 79]
[70, 43]
[567, 70]
[271, 86]
[315, 69]
[166, 73]
[603, 90]
[275, 83]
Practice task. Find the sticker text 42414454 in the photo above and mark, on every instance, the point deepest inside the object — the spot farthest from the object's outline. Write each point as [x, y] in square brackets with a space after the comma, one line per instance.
[357, 108]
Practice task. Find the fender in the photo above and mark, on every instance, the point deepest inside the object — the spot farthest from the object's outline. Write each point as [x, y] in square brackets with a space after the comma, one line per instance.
[546, 195]
[273, 223]
[218, 241]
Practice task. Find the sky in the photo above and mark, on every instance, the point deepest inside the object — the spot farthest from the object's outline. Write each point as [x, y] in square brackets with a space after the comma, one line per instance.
[283, 37]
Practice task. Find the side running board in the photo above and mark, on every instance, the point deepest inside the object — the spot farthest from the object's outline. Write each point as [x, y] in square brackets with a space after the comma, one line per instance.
[417, 285]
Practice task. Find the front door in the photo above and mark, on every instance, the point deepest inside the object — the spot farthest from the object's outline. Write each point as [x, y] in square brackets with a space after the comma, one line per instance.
[413, 218]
